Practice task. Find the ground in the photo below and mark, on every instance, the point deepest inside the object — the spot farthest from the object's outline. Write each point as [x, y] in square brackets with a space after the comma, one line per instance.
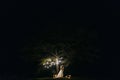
[75, 78]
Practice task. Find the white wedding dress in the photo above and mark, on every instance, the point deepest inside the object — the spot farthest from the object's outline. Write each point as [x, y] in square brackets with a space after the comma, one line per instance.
[60, 74]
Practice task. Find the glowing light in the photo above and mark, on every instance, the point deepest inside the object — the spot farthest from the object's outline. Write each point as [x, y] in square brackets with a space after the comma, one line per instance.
[53, 61]
[47, 63]
[49, 59]
[60, 61]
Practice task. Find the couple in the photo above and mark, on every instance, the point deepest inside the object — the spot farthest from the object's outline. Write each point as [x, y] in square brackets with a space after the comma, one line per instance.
[60, 74]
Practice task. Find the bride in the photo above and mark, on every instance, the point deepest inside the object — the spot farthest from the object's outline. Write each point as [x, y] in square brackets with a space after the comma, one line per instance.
[60, 74]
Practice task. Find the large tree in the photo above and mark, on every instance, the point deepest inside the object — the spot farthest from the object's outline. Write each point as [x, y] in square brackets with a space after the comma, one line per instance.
[37, 53]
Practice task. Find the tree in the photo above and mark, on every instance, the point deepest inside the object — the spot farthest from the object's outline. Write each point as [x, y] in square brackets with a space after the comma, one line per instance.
[59, 53]
[40, 53]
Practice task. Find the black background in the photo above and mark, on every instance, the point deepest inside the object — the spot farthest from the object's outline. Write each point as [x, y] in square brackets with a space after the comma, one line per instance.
[25, 22]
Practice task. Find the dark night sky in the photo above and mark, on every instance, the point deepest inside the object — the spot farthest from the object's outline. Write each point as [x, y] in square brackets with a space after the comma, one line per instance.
[29, 23]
